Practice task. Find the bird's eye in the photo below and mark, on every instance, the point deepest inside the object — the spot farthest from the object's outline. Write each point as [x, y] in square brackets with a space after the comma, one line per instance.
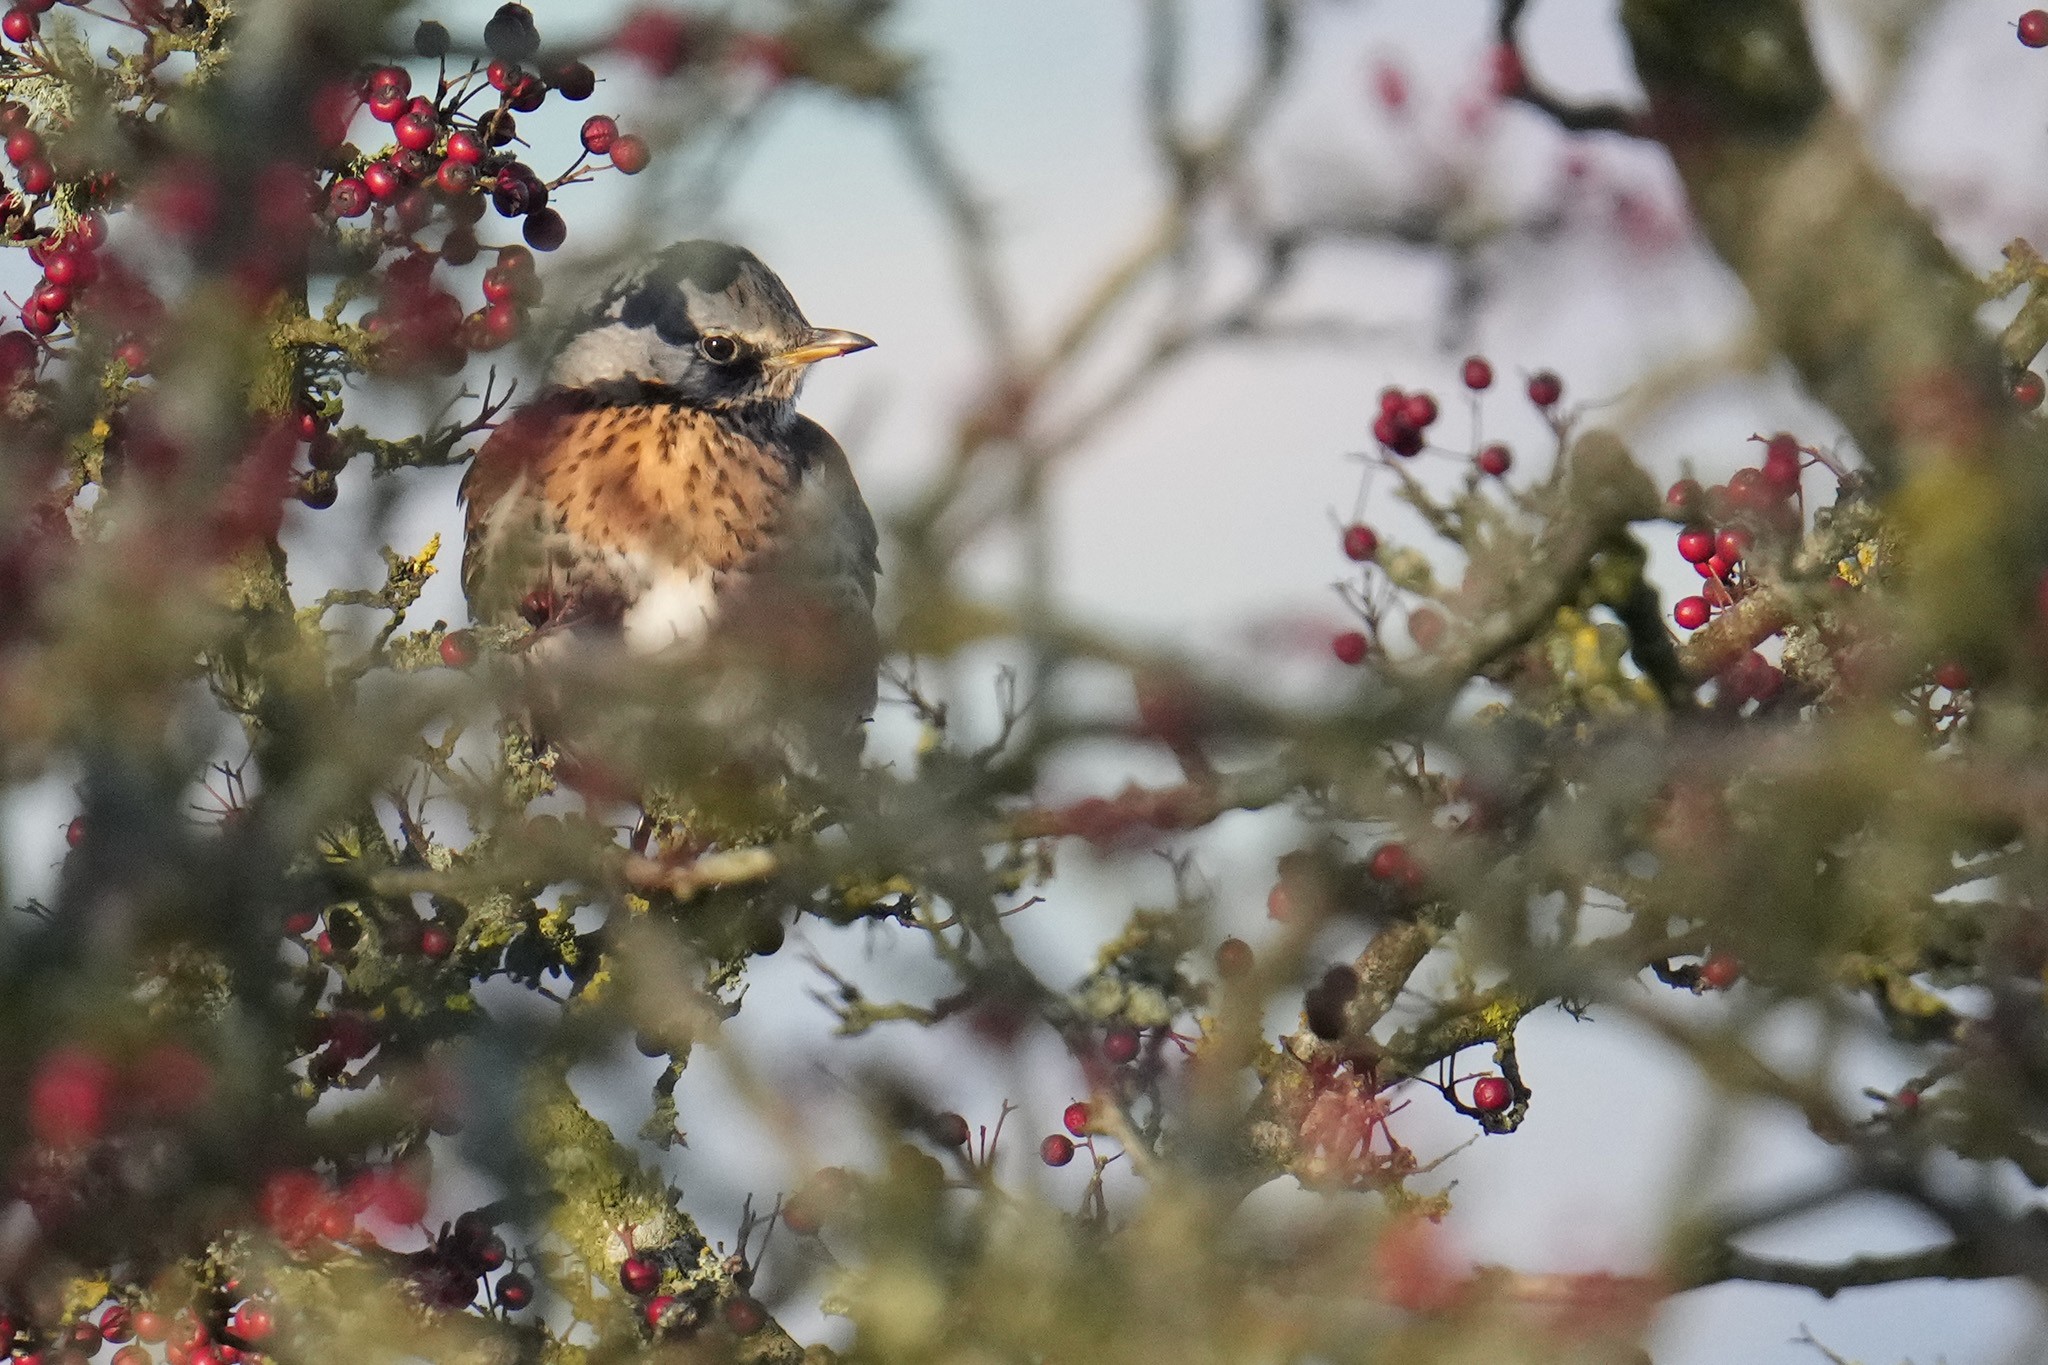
[719, 349]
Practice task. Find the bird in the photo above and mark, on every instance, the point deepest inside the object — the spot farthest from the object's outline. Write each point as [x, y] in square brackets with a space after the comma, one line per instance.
[661, 496]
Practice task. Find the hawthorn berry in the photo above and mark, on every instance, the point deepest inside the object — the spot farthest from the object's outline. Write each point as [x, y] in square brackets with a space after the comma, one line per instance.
[1056, 1150]
[950, 1130]
[744, 1317]
[514, 1292]
[1731, 545]
[660, 40]
[383, 181]
[1394, 431]
[2028, 389]
[1421, 411]
[1234, 958]
[1391, 862]
[436, 941]
[639, 1274]
[74, 833]
[511, 34]
[23, 144]
[1684, 494]
[1696, 545]
[527, 94]
[151, 1327]
[657, 1308]
[1076, 1118]
[545, 229]
[464, 147]
[630, 154]
[132, 1354]
[116, 1324]
[1720, 971]
[600, 131]
[1361, 543]
[431, 39]
[2033, 27]
[1545, 389]
[1691, 612]
[1478, 374]
[1495, 460]
[253, 1321]
[1350, 647]
[573, 81]
[1491, 1094]
[1120, 1045]
[19, 25]
[416, 131]
[1952, 676]
[36, 176]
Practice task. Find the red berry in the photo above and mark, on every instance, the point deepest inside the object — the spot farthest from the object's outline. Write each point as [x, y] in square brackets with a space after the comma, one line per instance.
[1233, 958]
[1360, 542]
[151, 1327]
[1731, 545]
[600, 131]
[1495, 460]
[349, 197]
[1952, 676]
[630, 154]
[657, 1309]
[130, 1355]
[1056, 1150]
[19, 25]
[51, 297]
[464, 147]
[527, 94]
[1076, 1118]
[436, 941]
[37, 177]
[1682, 495]
[502, 75]
[382, 180]
[1391, 862]
[2034, 28]
[1720, 971]
[659, 39]
[1545, 389]
[1714, 566]
[639, 1274]
[1350, 647]
[1691, 612]
[74, 833]
[1478, 374]
[1420, 411]
[455, 177]
[253, 1321]
[2028, 390]
[1120, 1045]
[23, 145]
[388, 82]
[1491, 1094]
[515, 260]
[416, 131]
[1393, 431]
[116, 1324]
[1393, 403]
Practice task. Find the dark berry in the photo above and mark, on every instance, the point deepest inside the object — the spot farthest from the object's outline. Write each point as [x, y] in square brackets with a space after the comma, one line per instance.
[502, 75]
[1350, 647]
[949, 1130]
[573, 80]
[37, 177]
[430, 39]
[1491, 1094]
[2028, 390]
[744, 1317]
[436, 941]
[1478, 374]
[1360, 542]
[545, 230]
[1545, 389]
[515, 1291]
[1056, 1150]
[511, 35]
[1120, 1045]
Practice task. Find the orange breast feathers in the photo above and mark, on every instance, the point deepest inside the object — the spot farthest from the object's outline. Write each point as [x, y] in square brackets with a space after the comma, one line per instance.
[601, 495]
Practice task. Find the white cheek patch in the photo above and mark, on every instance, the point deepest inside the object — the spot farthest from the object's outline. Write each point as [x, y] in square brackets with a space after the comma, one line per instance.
[675, 606]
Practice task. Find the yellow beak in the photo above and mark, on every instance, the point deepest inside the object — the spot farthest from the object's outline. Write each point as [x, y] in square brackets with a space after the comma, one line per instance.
[823, 344]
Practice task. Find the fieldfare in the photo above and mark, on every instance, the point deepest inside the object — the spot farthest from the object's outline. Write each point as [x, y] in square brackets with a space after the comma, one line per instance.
[661, 495]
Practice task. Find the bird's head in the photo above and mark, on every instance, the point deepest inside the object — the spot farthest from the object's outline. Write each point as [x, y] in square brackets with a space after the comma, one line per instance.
[704, 320]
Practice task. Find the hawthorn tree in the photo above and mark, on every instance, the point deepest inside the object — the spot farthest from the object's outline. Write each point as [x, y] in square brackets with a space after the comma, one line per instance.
[260, 1028]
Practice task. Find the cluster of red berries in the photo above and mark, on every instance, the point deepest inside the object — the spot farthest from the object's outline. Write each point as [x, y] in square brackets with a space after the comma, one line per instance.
[1721, 525]
[2033, 27]
[185, 1337]
[1058, 1148]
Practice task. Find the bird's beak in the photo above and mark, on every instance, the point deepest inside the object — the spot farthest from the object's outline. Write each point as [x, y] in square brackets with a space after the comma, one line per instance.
[822, 344]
